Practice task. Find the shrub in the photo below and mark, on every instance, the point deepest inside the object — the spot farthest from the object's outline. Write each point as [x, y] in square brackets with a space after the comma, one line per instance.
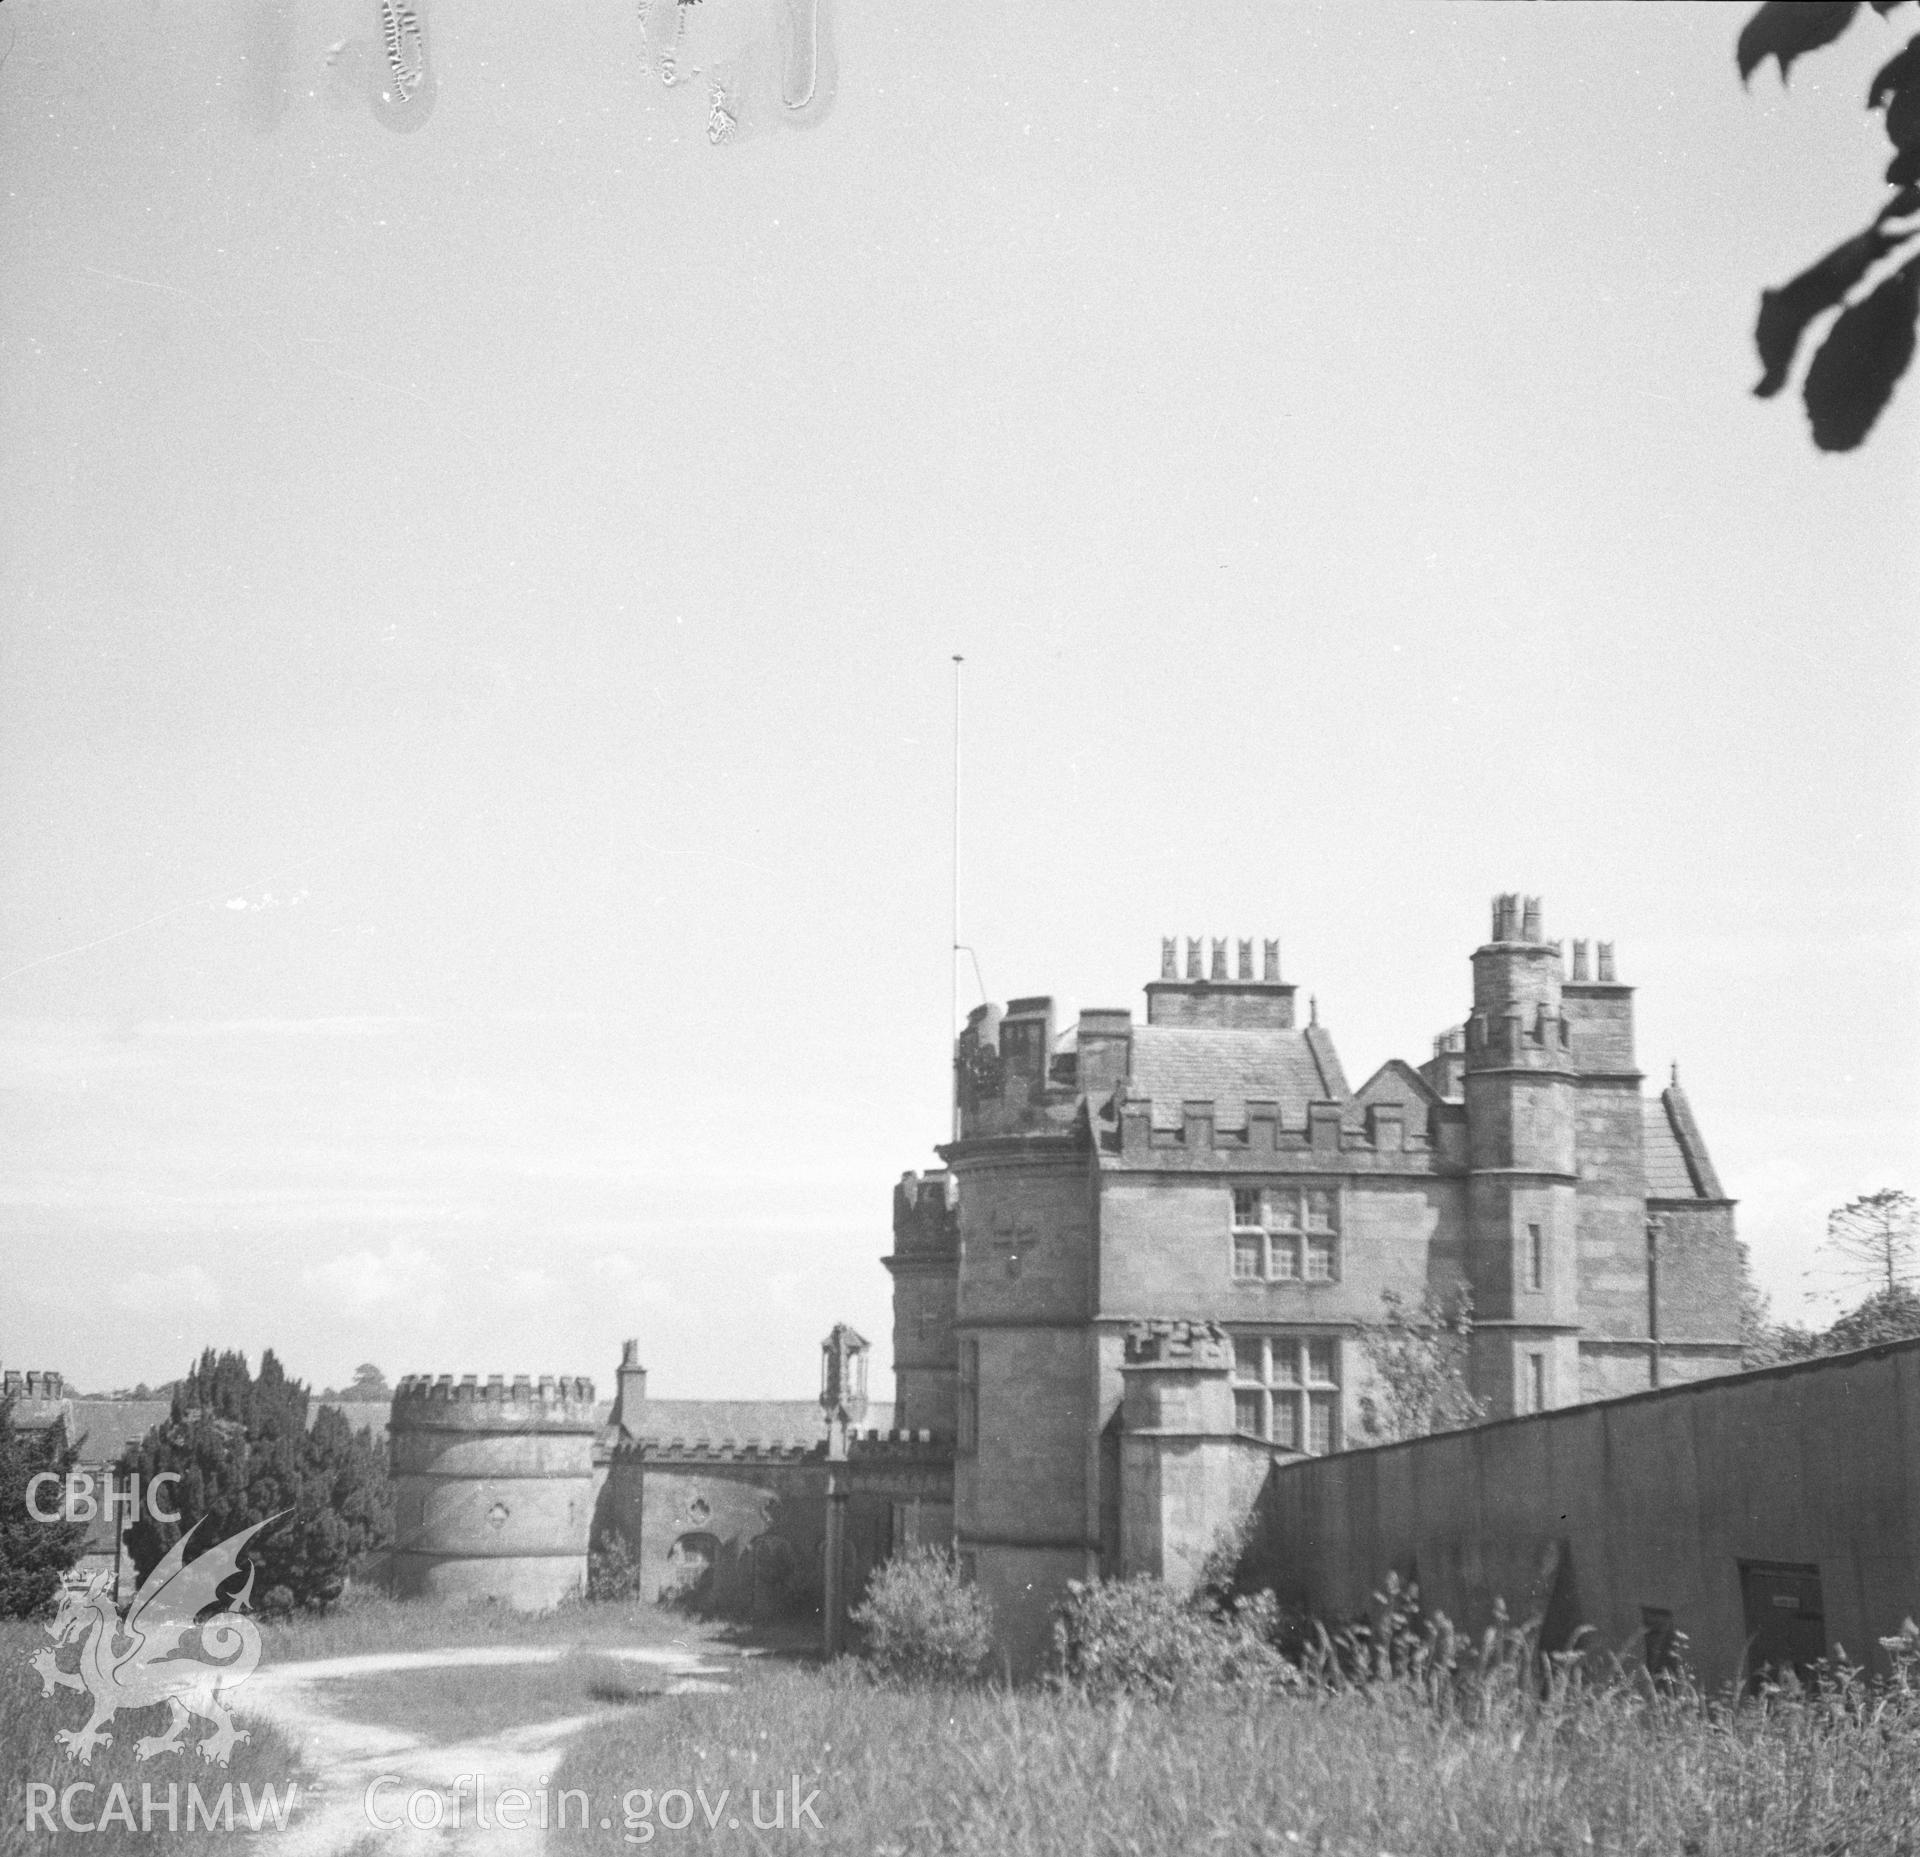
[1141, 1637]
[923, 1623]
[613, 1573]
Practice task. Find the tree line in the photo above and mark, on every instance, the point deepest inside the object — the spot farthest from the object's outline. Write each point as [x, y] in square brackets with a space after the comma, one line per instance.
[243, 1449]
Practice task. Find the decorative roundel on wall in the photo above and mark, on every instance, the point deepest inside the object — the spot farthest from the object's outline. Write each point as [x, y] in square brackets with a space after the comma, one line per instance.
[497, 1515]
[699, 1509]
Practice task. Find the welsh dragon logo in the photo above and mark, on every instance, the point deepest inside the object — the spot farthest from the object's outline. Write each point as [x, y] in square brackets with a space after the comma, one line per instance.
[141, 1661]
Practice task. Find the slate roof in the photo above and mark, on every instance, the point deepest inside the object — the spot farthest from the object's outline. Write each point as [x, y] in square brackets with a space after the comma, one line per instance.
[1677, 1163]
[110, 1425]
[747, 1421]
[1174, 1064]
[1667, 1176]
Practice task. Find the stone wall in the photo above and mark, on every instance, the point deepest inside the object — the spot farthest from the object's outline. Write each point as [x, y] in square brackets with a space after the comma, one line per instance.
[1678, 1505]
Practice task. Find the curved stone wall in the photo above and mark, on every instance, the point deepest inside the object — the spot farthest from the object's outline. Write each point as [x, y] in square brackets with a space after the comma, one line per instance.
[493, 1488]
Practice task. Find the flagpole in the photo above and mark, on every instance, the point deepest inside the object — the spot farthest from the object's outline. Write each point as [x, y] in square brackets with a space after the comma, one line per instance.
[953, 952]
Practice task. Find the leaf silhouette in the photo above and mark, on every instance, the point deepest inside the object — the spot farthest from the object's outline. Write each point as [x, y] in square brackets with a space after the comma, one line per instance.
[1865, 353]
[1903, 118]
[1785, 313]
[1787, 29]
[1901, 70]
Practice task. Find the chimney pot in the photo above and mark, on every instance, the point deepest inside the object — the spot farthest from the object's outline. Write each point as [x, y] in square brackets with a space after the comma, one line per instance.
[1219, 962]
[1579, 960]
[1193, 958]
[1246, 960]
[1603, 955]
[1272, 952]
[1169, 957]
[1530, 920]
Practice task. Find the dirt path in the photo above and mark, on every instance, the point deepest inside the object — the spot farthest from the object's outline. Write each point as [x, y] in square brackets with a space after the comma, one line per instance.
[349, 1757]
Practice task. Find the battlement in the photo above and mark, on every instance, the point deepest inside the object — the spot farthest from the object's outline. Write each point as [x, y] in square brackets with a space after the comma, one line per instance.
[1382, 1131]
[895, 1444]
[551, 1402]
[716, 1450]
[926, 1215]
[1178, 1344]
[35, 1383]
[865, 1445]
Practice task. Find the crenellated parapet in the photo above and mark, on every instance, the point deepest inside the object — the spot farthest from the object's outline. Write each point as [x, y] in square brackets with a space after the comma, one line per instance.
[875, 1445]
[715, 1451]
[526, 1402]
[1372, 1138]
[926, 1213]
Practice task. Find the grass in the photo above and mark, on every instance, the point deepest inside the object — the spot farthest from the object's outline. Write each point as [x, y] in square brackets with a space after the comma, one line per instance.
[365, 1622]
[1407, 1766]
[479, 1701]
[1347, 1773]
[29, 1755]
[368, 1620]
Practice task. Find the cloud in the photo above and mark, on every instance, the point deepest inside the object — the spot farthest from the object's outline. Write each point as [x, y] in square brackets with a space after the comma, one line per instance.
[368, 1282]
[166, 1295]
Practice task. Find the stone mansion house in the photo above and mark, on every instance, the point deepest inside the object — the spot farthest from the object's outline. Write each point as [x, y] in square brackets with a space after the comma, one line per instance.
[1130, 1300]
[1117, 1187]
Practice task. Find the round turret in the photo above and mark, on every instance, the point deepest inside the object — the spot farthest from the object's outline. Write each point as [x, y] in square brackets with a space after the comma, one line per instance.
[493, 1487]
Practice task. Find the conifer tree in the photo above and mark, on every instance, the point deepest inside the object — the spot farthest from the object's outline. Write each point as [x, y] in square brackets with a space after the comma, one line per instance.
[244, 1451]
[33, 1554]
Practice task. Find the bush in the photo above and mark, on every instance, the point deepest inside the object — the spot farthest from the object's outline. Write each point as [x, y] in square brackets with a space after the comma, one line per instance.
[1141, 1637]
[613, 1573]
[923, 1623]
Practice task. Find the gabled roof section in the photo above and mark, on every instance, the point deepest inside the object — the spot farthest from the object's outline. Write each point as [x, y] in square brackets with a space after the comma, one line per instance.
[1687, 1130]
[1174, 1064]
[1396, 1081]
[1677, 1163]
[1333, 1078]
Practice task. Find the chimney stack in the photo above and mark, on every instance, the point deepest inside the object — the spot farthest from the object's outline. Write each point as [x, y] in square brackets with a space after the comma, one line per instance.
[630, 1388]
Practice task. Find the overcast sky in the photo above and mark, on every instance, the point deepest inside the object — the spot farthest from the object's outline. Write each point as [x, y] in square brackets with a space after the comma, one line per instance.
[477, 605]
